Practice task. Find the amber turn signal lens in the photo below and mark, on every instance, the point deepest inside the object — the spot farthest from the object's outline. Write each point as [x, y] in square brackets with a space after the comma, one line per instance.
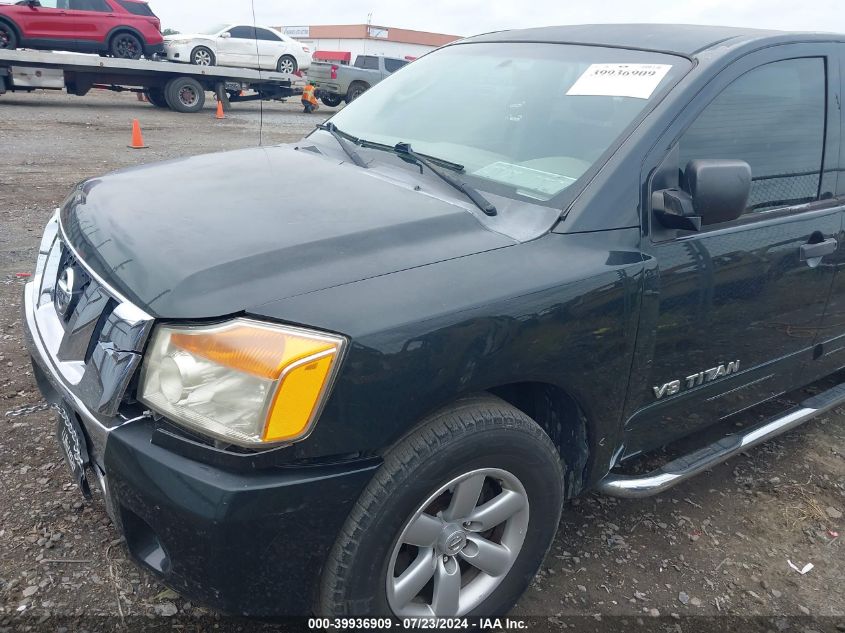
[255, 350]
[301, 389]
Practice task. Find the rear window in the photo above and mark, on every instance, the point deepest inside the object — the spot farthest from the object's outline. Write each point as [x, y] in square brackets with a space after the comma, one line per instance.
[137, 8]
[366, 62]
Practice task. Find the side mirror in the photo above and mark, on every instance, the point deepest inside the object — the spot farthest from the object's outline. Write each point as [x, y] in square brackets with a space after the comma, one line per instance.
[719, 188]
[225, 35]
[717, 191]
[33, 3]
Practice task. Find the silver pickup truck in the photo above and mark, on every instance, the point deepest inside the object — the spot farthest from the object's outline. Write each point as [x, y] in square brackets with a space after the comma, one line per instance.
[338, 82]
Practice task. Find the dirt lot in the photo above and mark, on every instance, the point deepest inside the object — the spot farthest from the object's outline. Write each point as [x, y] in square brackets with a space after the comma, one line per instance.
[716, 546]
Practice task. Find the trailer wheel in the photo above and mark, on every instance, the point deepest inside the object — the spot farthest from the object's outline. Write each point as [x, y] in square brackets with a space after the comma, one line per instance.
[203, 56]
[8, 37]
[156, 97]
[184, 94]
[126, 46]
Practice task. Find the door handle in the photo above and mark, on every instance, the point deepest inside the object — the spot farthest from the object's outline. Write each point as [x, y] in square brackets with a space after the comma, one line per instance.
[815, 251]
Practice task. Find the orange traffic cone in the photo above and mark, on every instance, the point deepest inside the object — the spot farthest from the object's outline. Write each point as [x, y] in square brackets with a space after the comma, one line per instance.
[137, 139]
[220, 114]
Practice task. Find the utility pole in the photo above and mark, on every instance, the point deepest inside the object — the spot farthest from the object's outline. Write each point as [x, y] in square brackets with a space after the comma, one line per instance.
[369, 24]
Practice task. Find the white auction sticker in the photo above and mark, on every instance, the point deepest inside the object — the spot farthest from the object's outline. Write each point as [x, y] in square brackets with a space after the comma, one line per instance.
[619, 80]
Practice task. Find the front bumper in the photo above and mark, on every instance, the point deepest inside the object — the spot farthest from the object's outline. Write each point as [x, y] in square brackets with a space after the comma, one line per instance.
[245, 541]
[250, 544]
[154, 49]
[177, 52]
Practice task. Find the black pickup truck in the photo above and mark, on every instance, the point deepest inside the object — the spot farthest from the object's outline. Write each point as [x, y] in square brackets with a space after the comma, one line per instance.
[534, 255]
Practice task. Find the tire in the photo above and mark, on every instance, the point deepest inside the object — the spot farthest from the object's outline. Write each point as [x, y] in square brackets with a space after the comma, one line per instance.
[184, 94]
[331, 100]
[156, 97]
[8, 37]
[287, 64]
[125, 45]
[484, 438]
[356, 90]
[203, 56]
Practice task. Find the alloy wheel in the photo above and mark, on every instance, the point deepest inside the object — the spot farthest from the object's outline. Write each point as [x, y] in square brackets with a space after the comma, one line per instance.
[127, 48]
[202, 57]
[458, 546]
[287, 65]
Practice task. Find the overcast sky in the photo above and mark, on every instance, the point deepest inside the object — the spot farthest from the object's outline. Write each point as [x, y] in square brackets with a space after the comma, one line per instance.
[468, 17]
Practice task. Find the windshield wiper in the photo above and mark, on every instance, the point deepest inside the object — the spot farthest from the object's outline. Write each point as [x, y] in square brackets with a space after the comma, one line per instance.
[331, 128]
[405, 149]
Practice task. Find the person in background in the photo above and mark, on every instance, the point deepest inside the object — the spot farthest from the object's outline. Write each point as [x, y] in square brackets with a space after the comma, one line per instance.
[309, 99]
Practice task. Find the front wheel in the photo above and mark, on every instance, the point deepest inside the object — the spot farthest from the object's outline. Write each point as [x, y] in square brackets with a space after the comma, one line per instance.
[287, 65]
[455, 523]
[126, 46]
[8, 37]
[203, 56]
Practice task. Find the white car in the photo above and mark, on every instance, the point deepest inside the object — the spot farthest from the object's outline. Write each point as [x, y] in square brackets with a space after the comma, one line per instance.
[239, 45]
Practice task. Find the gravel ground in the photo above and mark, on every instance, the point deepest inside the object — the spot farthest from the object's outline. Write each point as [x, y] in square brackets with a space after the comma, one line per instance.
[716, 546]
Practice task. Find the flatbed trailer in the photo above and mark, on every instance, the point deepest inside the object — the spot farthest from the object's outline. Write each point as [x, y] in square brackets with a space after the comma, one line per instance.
[180, 87]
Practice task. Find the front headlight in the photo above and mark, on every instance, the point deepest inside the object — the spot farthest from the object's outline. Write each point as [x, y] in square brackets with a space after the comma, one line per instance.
[245, 382]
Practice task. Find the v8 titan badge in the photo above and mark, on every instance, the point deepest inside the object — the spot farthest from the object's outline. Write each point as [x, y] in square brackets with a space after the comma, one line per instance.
[74, 449]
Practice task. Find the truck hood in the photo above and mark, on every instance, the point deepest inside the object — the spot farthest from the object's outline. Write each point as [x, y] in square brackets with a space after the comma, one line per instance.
[219, 234]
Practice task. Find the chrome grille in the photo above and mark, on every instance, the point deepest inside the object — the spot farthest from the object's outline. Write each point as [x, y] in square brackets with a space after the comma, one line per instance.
[96, 343]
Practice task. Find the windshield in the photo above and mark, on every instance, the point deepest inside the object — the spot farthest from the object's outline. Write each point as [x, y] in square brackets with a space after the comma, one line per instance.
[214, 30]
[526, 120]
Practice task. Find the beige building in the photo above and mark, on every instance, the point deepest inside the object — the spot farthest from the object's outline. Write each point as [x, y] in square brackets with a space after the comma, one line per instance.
[344, 42]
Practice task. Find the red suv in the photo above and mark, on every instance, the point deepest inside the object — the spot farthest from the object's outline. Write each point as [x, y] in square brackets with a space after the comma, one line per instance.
[120, 28]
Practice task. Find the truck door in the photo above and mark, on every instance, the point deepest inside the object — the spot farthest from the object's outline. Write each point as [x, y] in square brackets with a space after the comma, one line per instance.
[732, 312]
[829, 354]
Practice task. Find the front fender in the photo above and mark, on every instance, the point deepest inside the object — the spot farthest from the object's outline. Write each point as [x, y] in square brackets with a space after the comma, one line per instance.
[561, 310]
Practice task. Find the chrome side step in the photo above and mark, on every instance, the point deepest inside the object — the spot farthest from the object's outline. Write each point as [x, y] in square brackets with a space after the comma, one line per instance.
[686, 466]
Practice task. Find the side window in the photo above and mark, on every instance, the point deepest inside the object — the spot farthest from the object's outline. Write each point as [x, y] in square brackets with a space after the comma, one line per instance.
[137, 8]
[90, 5]
[773, 117]
[243, 32]
[264, 34]
[367, 62]
[54, 4]
[392, 65]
